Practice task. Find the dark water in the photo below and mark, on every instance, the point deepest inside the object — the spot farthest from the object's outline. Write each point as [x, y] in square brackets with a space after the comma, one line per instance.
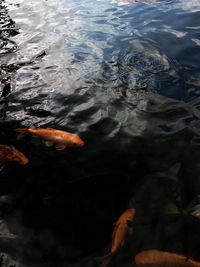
[126, 78]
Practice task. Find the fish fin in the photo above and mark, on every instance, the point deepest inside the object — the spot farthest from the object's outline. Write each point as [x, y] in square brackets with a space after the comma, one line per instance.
[19, 130]
[49, 143]
[116, 222]
[105, 260]
[60, 147]
[21, 133]
[187, 258]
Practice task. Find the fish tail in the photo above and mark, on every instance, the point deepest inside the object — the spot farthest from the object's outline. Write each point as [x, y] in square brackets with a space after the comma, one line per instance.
[22, 132]
[105, 260]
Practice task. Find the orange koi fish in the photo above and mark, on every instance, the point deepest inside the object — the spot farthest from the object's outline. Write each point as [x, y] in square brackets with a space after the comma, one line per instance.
[8, 154]
[59, 138]
[120, 232]
[156, 258]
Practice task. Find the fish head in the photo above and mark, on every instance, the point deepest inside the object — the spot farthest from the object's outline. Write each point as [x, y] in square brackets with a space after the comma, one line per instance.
[23, 161]
[20, 158]
[76, 141]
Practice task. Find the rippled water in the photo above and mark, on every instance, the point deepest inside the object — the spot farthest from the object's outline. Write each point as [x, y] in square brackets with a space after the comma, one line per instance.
[126, 78]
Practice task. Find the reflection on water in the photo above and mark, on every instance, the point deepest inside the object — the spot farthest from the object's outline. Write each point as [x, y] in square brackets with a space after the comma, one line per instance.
[125, 77]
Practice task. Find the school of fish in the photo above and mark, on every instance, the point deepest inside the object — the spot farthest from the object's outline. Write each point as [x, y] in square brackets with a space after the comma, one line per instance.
[61, 139]
[123, 226]
[147, 258]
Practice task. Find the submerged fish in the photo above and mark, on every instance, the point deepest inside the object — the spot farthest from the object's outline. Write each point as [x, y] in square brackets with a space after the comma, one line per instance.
[9, 154]
[59, 138]
[120, 232]
[156, 258]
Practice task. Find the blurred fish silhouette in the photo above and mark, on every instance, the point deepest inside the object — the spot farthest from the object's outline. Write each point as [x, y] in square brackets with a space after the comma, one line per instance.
[9, 154]
[61, 139]
[122, 228]
[156, 258]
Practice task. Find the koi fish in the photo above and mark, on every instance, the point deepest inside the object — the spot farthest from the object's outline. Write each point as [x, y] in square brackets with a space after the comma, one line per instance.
[156, 258]
[9, 154]
[61, 139]
[122, 228]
